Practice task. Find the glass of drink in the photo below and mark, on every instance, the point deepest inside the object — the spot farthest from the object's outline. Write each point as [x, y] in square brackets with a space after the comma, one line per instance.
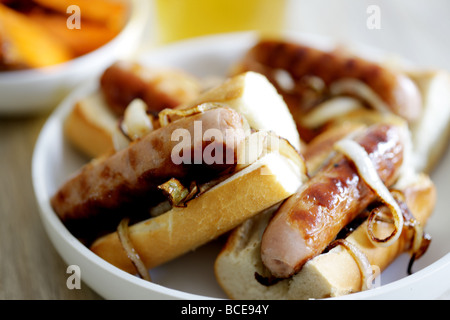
[180, 19]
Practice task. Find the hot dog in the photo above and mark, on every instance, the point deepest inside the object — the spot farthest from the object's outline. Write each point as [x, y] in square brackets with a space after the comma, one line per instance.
[315, 75]
[125, 81]
[93, 123]
[261, 259]
[93, 127]
[128, 180]
[263, 184]
[240, 271]
[308, 221]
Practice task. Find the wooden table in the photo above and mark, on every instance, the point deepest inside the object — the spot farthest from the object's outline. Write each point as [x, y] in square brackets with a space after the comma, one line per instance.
[30, 268]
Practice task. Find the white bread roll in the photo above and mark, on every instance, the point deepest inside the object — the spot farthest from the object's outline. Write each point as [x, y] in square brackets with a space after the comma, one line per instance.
[431, 133]
[255, 98]
[90, 126]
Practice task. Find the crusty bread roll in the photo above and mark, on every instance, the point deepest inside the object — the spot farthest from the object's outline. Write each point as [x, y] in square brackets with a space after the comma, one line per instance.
[261, 185]
[254, 97]
[90, 126]
[430, 134]
[330, 274]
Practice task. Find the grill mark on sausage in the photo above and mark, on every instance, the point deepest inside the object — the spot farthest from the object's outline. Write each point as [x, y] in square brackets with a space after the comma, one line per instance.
[126, 183]
[397, 90]
[328, 202]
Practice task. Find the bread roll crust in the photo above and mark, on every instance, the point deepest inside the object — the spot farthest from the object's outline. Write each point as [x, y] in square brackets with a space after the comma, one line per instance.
[90, 126]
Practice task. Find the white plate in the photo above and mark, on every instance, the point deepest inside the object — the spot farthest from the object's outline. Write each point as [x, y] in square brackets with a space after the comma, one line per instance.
[39, 90]
[191, 276]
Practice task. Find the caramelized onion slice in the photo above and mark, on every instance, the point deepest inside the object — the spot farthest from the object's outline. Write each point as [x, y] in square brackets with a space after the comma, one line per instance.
[410, 222]
[329, 110]
[359, 89]
[421, 240]
[361, 260]
[176, 193]
[166, 116]
[136, 122]
[368, 173]
[261, 143]
[124, 237]
[419, 252]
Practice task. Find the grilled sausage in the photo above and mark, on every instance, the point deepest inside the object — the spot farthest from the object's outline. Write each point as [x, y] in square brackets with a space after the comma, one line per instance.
[126, 183]
[308, 221]
[123, 82]
[301, 62]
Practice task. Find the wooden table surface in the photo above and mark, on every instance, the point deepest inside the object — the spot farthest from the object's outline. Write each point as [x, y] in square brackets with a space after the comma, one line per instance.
[30, 268]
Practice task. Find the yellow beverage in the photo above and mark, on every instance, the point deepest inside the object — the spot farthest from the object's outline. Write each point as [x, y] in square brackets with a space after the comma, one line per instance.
[178, 19]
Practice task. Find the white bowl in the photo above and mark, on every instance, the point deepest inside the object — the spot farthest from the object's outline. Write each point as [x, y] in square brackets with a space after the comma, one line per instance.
[38, 90]
[191, 276]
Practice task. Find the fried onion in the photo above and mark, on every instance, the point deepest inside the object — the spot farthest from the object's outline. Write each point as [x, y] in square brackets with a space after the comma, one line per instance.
[359, 89]
[420, 240]
[177, 194]
[329, 110]
[361, 260]
[166, 116]
[124, 237]
[367, 171]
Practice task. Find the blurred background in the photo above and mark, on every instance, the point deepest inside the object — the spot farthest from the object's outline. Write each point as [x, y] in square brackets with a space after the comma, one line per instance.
[415, 29]
[29, 266]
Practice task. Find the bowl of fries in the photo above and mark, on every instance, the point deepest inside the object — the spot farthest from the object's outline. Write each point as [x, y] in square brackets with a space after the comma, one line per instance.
[47, 47]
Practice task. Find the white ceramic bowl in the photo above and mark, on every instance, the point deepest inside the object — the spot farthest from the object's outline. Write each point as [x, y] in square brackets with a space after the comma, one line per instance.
[191, 276]
[38, 90]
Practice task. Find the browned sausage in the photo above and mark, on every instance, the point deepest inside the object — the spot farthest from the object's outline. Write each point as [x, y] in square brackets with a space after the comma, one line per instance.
[123, 82]
[126, 183]
[396, 89]
[309, 220]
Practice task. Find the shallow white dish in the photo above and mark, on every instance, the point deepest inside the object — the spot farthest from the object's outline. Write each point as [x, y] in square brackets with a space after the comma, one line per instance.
[191, 276]
[38, 90]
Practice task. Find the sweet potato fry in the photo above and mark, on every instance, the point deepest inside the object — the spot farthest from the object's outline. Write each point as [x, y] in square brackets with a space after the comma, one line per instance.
[111, 13]
[28, 44]
[91, 36]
